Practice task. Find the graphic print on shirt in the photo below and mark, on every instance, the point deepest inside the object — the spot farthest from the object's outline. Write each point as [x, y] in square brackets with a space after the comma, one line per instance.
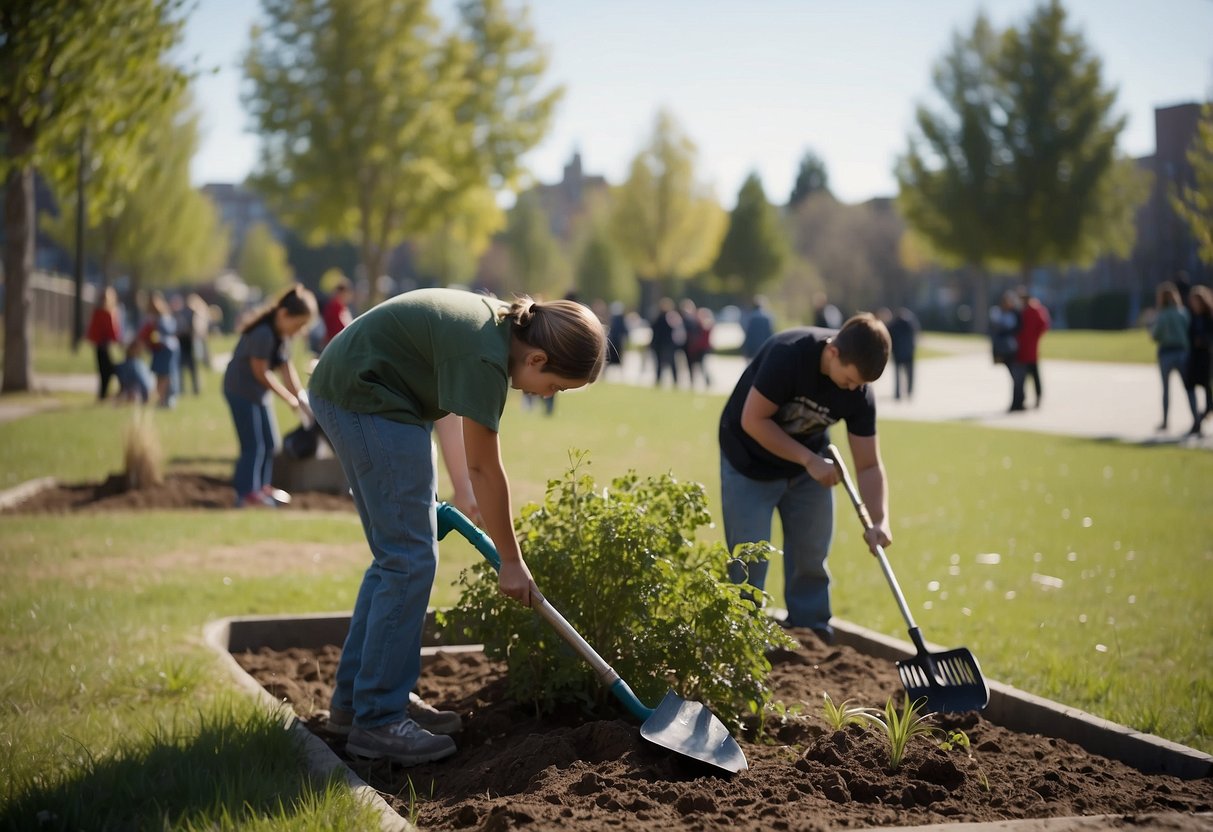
[801, 417]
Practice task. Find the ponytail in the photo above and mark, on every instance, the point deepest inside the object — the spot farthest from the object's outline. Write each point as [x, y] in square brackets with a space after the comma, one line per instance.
[296, 301]
[567, 331]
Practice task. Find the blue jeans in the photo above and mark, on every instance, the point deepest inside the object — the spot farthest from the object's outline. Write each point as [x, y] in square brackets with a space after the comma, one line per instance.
[1172, 359]
[390, 468]
[257, 430]
[806, 510]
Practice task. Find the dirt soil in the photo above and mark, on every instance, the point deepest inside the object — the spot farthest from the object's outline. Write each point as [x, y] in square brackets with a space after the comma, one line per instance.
[181, 490]
[515, 771]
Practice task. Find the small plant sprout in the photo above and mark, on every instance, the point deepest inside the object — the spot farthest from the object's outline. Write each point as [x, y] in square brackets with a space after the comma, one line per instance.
[901, 727]
[839, 716]
[956, 739]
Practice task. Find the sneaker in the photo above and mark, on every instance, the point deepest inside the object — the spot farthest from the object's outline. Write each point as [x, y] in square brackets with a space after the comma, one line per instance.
[255, 499]
[432, 719]
[341, 722]
[279, 496]
[405, 743]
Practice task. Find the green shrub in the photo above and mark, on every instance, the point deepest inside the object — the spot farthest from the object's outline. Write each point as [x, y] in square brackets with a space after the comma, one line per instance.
[621, 563]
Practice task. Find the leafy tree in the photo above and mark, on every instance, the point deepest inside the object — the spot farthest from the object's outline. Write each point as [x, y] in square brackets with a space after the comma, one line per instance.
[1071, 197]
[450, 253]
[810, 178]
[1022, 169]
[602, 272]
[1195, 202]
[263, 263]
[667, 224]
[537, 264]
[948, 177]
[67, 67]
[376, 124]
[163, 231]
[754, 247]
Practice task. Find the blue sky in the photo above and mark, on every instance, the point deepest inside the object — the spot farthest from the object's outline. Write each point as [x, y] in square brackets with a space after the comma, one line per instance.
[755, 82]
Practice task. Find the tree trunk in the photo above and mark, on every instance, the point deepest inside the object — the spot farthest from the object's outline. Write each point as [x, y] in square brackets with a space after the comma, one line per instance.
[18, 265]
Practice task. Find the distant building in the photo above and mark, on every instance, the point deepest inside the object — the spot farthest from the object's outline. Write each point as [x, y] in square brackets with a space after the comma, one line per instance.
[568, 201]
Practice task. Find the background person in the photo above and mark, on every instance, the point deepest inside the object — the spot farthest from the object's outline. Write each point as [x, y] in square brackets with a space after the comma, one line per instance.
[377, 390]
[1200, 342]
[159, 334]
[773, 434]
[1170, 333]
[336, 313]
[261, 366]
[104, 332]
[1034, 322]
[1005, 323]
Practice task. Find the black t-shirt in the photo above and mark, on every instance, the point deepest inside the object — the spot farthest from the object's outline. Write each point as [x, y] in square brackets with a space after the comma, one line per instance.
[787, 370]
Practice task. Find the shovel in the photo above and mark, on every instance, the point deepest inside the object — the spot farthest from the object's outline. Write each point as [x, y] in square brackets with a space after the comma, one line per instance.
[950, 680]
[686, 728]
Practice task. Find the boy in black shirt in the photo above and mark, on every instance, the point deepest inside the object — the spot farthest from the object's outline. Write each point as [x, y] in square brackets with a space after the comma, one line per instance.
[773, 434]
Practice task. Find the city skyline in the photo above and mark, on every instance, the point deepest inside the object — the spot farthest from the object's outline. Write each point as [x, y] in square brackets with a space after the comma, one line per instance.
[754, 85]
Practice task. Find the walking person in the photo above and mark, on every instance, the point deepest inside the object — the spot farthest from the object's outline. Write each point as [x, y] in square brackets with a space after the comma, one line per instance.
[669, 336]
[773, 434]
[903, 332]
[1033, 324]
[1200, 341]
[105, 332]
[377, 391]
[260, 367]
[159, 334]
[1005, 323]
[1170, 333]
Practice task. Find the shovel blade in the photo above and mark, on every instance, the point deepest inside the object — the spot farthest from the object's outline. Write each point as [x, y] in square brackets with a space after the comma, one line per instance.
[690, 729]
[950, 681]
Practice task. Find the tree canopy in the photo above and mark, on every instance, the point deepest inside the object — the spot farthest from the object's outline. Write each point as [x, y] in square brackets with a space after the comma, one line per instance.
[1020, 167]
[376, 123]
[263, 264]
[811, 177]
[667, 223]
[755, 246]
[68, 67]
[1195, 202]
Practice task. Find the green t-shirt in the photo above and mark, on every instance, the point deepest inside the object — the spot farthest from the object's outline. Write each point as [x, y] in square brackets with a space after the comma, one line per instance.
[419, 356]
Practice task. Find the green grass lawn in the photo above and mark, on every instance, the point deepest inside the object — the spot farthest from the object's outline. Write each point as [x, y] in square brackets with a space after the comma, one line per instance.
[1131, 346]
[1047, 556]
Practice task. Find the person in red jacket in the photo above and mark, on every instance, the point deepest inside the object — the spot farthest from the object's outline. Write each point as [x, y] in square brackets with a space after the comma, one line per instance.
[105, 329]
[336, 312]
[1034, 323]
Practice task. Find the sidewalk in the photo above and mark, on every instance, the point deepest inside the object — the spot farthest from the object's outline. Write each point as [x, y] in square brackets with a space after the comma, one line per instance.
[1121, 402]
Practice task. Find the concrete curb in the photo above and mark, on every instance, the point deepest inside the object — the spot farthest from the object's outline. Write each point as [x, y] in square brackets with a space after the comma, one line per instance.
[20, 493]
[318, 758]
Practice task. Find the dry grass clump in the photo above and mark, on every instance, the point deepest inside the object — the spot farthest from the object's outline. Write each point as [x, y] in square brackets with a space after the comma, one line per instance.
[142, 453]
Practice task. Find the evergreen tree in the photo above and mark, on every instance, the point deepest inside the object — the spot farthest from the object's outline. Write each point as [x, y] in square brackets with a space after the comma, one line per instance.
[755, 247]
[537, 265]
[811, 177]
[1022, 168]
[1195, 202]
[602, 272]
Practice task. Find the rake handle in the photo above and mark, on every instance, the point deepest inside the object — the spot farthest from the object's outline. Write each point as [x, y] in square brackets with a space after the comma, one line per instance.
[866, 519]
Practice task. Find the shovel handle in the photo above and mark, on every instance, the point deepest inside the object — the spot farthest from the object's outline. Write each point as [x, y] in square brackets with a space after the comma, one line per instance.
[451, 518]
[866, 519]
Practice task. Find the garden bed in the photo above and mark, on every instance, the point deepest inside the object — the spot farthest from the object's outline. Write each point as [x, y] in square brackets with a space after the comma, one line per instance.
[516, 771]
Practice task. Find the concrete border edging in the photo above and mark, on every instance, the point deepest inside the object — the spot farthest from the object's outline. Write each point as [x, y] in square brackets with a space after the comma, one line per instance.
[1021, 711]
[318, 758]
[21, 492]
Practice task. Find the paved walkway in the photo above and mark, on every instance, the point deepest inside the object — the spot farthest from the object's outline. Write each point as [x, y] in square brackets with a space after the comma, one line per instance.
[1081, 398]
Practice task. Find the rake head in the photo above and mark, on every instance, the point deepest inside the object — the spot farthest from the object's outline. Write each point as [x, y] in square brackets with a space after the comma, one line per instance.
[949, 681]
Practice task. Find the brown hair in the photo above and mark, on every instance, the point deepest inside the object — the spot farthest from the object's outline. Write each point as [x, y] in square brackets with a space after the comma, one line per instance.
[566, 330]
[864, 343]
[1168, 294]
[1205, 296]
[296, 301]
